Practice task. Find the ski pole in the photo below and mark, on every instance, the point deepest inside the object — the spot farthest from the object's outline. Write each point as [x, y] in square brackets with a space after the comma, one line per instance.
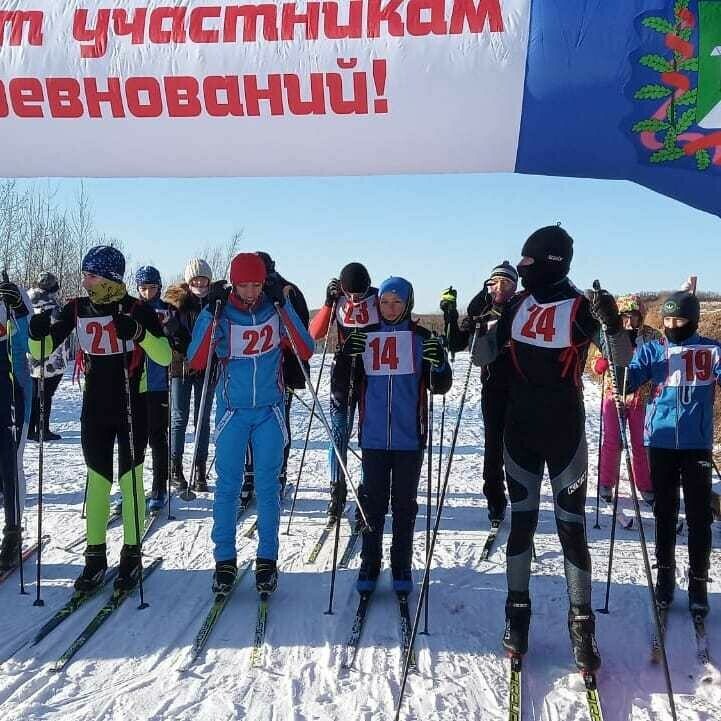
[14, 433]
[189, 493]
[310, 420]
[41, 442]
[637, 510]
[622, 413]
[600, 441]
[85, 497]
[133, 478]
[288, 326]
[443, 422]
[426, 589]
[434, 534]
[171, 517]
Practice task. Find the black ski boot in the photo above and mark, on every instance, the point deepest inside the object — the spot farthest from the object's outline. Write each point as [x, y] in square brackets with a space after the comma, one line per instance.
[518, 619]
[129, 568]
[93, 574]
[497, 511]
[176, 473]
[266, 575]
[224, 576]
[665, 585]
[698, 596]
[201, 477]
[582, 628]
[10, 548]
[336, 506]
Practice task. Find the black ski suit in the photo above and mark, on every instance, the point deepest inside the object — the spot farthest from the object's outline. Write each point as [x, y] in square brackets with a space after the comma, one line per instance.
[549, 339]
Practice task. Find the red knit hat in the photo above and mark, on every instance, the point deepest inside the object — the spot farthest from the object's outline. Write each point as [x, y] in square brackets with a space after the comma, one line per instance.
[247, 268]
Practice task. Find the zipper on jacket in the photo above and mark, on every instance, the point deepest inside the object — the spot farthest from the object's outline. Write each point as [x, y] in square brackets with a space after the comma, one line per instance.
[255, 362]
[389, 434]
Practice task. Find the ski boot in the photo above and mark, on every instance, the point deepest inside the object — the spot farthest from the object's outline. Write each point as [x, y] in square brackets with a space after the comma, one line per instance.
[93, 574]
[665, 585]
[157, 502]
[201, 477]
[402, 581]
[50, 436]
[606, 493]
[649, 498]
[246, 492]
[582, 629]
[698, 596]
[266, 575]
[335, 509]
[129, 568]
[176, 473]
[368, 577]
[497, 511]
[518, 619]
[10, 548]
[224, 576]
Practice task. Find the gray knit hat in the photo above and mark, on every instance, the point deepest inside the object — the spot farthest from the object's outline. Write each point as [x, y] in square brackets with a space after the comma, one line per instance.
[197, 267]
[505, 270]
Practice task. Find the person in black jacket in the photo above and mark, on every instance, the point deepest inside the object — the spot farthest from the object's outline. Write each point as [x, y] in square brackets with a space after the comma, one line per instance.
[489, 302]
[292, 372]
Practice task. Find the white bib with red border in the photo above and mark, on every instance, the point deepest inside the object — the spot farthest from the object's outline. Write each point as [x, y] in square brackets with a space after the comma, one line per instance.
[545, 325]
[389, 354]
[692, 365]
[357, 315]
[97, 336]
[253, 341]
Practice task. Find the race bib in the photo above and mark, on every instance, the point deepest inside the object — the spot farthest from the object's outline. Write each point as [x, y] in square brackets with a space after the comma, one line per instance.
[389, 354]
[251, 341]
[546, 325]
[692, 365]
[357, 315]
[97, 336]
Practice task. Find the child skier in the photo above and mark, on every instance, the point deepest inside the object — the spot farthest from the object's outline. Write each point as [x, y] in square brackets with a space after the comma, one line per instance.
[249, 341]
[13, 416]
[685, 368]
[632, 312]
[107, 322]
[356, 304]
[401, 363]
[155, 380]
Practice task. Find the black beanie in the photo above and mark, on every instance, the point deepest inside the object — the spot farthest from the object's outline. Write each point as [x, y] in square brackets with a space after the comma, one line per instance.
[552, 250]
[354, 278]
[267, 260]
[682, 304]
[505, 270]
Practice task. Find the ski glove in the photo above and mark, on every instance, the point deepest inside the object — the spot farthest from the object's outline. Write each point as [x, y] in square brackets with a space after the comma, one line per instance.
[433, 352]
[10, 294]
[39, 326]
[448, 300]
[605, 310]
[355, 343]
[171, 326]
[218, 292]
[276, 292]
[332, 292]
[127, 328]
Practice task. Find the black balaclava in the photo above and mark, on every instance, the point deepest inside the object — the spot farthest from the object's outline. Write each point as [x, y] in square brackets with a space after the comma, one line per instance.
[552, 250]
[354, 279]
[681, 304]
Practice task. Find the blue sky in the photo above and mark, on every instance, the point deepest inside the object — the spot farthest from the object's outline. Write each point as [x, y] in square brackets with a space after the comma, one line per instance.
[433, 230]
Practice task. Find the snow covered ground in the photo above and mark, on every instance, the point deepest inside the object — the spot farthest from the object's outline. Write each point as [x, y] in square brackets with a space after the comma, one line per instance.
[129, 668]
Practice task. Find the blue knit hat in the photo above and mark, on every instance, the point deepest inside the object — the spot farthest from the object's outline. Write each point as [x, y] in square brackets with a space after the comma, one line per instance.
[147, 275]
[403, 289]
[105, 261]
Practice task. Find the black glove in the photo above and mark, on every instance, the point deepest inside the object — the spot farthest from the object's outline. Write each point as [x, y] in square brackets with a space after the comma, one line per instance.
[218, 292]
[171, 326]
[448, 300]
[332, 292]
[127, 328]
[39, 326]
[355, 343]
[10, 295]
[274, 290]
[433, 352]
[605, 310]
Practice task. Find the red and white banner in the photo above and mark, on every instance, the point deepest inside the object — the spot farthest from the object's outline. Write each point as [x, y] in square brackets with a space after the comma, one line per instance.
[206, 87]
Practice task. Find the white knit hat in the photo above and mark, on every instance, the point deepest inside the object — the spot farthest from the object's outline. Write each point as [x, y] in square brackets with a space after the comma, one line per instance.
[197, 267]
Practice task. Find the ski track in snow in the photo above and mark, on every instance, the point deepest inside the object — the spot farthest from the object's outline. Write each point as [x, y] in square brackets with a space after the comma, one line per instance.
[129, 669]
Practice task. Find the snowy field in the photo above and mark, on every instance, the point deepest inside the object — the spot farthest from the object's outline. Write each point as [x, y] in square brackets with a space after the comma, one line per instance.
[129, 669]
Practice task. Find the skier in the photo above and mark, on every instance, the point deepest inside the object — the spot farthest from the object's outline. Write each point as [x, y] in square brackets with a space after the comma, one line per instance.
[632, 312]
[685, 368]
[44, 297]
[249, 341]
[401, 363]
[189, 299]
[356, 304]
[549, 328]
[155, 380]
[105, 321]
[292, 373]
[496, 293]
[13, 405]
